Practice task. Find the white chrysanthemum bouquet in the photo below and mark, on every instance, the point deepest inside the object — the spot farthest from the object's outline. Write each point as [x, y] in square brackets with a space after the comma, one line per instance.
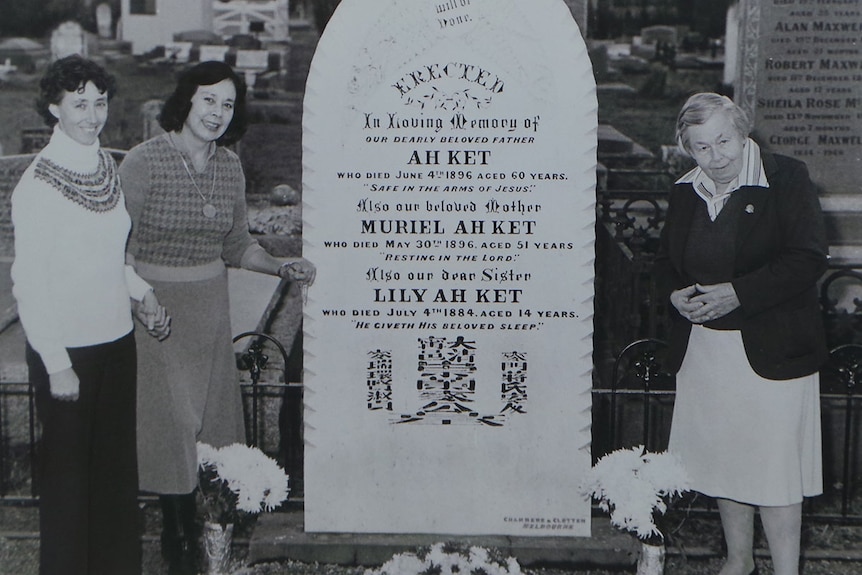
[238, 479]
[635, 486]
[449, 559]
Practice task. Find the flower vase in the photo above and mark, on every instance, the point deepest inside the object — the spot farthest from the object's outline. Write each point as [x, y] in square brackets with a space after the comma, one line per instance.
[651, 559]
[217, 542]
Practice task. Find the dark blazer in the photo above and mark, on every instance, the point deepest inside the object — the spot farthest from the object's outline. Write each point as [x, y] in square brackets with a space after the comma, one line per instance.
[781, 252]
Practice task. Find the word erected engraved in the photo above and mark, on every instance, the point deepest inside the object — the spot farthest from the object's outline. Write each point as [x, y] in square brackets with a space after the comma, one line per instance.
[809, 95]
[446, 386]
[455, 172]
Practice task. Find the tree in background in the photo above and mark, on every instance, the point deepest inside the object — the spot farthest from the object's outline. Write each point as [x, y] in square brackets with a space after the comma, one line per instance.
[618, 18]
[323, 10]
[36, 18]
[608, 18]
[601, 21]
[709, 17]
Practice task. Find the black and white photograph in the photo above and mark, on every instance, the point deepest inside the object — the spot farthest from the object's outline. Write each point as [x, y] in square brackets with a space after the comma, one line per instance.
[417, 287]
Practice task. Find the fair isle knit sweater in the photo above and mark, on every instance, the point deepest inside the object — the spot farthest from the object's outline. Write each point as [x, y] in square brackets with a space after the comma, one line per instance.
[69, 275]
[170, 230]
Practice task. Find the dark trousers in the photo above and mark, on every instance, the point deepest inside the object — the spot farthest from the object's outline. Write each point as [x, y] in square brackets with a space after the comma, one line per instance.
[88, 479]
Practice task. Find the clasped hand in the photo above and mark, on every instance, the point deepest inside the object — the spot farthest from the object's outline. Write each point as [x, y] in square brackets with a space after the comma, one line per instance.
[299, 270]
[702, 303]
[64, 385]
[153, 316]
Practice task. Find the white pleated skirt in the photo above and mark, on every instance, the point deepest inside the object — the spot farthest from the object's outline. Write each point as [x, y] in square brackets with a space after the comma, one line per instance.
[740, 436]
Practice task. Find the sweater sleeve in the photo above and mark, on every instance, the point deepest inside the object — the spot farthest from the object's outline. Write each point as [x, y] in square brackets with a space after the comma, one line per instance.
[238, 239]
[136, 285]
[135, 179]
[36, 226]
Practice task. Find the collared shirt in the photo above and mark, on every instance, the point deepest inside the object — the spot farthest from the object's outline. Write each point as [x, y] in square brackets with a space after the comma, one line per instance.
[751, 174]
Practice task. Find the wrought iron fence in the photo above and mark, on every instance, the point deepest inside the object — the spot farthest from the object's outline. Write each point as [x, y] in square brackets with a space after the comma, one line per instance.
[638, 405]
[633, 398]
[634, 410]
[273, 421]
[267, 402]
[629, 217]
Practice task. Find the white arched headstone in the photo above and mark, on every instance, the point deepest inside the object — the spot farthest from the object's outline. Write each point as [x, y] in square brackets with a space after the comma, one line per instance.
[104, 20]
[67, 39]
[449, 172]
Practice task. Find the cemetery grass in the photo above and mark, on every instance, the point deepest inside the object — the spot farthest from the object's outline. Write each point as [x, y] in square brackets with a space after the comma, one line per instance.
[695, 550]
[17, 112]
[650, 119]
[135, 85]
[271, 150]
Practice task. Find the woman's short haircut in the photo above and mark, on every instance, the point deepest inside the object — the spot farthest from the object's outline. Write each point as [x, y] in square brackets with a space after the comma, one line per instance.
[177, 106]
[700, 107]
[70, 74]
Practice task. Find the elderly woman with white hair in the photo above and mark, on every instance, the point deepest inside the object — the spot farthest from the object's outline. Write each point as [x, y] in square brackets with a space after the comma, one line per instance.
[741, 252]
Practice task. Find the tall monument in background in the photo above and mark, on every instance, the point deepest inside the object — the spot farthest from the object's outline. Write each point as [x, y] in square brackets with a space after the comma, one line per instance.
[799, 73]
[449, 165]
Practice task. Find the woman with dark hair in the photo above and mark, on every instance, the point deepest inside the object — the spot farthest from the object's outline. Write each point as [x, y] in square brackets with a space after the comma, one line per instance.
[186, 196]
[741, 252]
[176, 109]
[73, 286]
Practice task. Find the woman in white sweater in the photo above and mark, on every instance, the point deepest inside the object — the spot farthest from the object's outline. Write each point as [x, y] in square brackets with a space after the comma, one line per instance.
[73, 291]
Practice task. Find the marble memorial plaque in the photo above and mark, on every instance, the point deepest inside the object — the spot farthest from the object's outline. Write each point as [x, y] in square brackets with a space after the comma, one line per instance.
[178, 51]
[68, 39]
[799, 73]
[104, 20]
[449, 171]
[252, 59]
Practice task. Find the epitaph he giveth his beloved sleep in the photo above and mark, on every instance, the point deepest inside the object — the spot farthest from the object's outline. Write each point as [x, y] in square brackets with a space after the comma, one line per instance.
[449, 160]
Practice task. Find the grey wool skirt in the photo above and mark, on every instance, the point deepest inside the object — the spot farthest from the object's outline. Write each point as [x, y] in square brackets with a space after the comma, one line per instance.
[188, 385]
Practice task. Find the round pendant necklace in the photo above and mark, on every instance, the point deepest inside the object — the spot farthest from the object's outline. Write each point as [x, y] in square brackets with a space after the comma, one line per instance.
[209, 210]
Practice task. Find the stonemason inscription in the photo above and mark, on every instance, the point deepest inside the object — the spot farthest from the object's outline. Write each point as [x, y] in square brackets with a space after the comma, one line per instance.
[802, 76]
[449, 188]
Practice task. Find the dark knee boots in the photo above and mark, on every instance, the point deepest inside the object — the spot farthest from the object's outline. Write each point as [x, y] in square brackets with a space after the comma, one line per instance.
[179, 533]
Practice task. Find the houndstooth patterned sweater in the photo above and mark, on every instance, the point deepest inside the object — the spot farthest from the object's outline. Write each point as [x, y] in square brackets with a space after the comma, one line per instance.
[169, 225]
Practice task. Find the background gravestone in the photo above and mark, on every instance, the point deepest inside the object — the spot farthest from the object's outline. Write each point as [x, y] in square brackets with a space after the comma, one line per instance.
[449, 172]
[210, 52]
[104, 21]
[150, 111]
[178, 52]
[653, 34]
[67, 39]
[798, 74]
